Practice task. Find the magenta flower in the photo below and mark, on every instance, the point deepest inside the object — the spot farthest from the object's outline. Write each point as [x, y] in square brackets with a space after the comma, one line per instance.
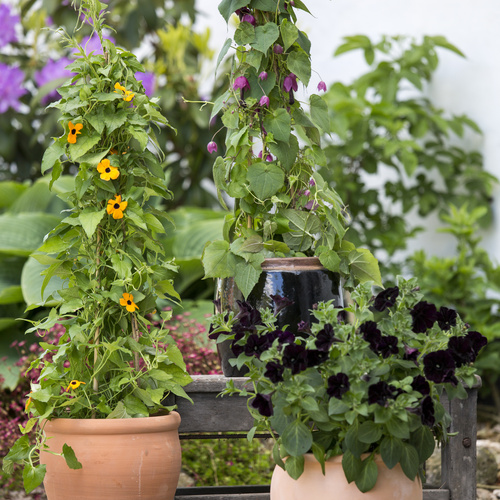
[248, 18]
[241, 83]
[148, 80]
[8, 23]
[263, 76]
[264, 101]
[53, 70]
[11, 87]
[322, 86]
[212, 147]
[290, 83]
[278, 49]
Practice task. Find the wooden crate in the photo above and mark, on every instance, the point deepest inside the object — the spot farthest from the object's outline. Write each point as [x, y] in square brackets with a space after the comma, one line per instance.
[219, 415]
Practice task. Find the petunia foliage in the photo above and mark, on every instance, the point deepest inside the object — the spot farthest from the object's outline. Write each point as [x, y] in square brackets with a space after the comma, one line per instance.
[269, 170]
[112, 361]
[357, 382]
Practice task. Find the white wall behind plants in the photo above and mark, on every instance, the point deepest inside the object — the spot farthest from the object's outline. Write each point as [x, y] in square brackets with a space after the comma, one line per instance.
[469, 86]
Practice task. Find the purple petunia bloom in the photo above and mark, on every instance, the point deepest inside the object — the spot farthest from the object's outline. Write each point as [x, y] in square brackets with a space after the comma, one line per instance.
[478, 341]
[380, 393]
[262, 403]
[8, 23]
[424, 315]
[388, 345]
[427, 412]
[148, 80]
[315, 357]
[371, 334]
[264, 101]
[411, 354]
[322, 86]
[11, 87]
[295, 358]
[325, 338]
[241, 83]
[263, 75]
[53, 70]
[255, 345]
[285, 337]
[421, 385]
[290, 83]
[446, 318]
[461, 350]
[274, 372]
[439, 367]
[386, 298]
[212, 147]
[280, 303]
[338, 385]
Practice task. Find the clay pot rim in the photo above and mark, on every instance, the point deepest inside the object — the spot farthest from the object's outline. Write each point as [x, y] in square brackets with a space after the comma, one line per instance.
[292, 264]
[152, 424]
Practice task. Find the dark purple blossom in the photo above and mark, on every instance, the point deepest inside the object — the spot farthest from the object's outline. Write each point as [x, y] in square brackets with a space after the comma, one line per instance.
[255, 345]
[262, 403]
[387, 345]
[439, 367]
[424, 315]
[315, 357]
[53, 70]
[212, 147]
[446, 318]
[290, 83]
[427, 415]
[241, 82]
[285, 337]
[461, 350]
[274, 372]
[236, 348]
[148, 80]
[386, 298]
[11, 87]
[248, 18]
[8, 23]
[421, 385]
[478, 341]
[303, 327]
[295, 358]
[380, 393]
[248, 316]
[278, 49]
[338, 385]
[325, 338]
[411, 354]
[371, 334]
[280, 303]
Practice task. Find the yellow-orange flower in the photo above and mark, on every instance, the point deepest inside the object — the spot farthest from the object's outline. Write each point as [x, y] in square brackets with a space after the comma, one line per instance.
[28, 403]
[127, 94]
[107, 171]
[116, 207]
[74, 130]
[127, 301]
[74, 384]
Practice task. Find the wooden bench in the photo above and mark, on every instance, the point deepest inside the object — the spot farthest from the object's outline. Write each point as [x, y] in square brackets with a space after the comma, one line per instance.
[218, 415]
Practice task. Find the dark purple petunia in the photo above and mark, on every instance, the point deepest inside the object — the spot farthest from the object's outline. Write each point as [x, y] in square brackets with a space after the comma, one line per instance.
[274, 372]
[262, 403]
[280, 303]
[411, 354]
[338, 385]
[446, 318]
[270, 337]
[439, 367]
[247, 318]
[371, 334]
[255, 345]
[424, 315]
[380, 393]
[295, 358]
[427, 414]
[386, 298]
[478, 341]
[325, 338]
[315, 357]
[236, 348]
[285, 337]
[303, 327]
[388, 345]
[421, 385]
[461, 350]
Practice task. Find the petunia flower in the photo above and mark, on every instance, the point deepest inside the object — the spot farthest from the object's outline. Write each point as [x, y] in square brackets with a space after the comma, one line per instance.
[380, 393]
[107, 171]
[424, 315]
[325, 338]
[338, 385]
[439, 367]
[74, 384]
[256, 345]
[315, 357]
[446, 318]
[386, 298]
[421, 385]
[116, 207]
[322, 86]
[127, 301]
[74, 130]
[280, 303]
[212, 147]
[371, 334]
[478, 341]
[274, 372]
[262, 403]
[295, 358]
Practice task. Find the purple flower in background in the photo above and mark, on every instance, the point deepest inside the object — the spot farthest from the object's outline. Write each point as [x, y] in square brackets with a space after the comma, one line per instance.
[148, 80]
[280, 303]
[264, 101]
[322, 86]
[478, 341]
[290, 83]
[8, 23]
[11, 87]
[93, 44]
[263, 75]
[241, 83]
[212, 147]
[53, 70]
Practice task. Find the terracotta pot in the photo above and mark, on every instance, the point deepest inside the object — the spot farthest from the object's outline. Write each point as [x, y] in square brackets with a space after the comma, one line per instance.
[302, 280]
[392, 484]
[125, 459]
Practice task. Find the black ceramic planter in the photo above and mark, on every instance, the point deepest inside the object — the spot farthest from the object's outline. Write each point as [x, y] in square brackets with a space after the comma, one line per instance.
[304, 281]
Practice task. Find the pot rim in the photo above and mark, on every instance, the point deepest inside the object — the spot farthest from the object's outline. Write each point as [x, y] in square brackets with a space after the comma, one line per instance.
[143, 425]
[292, 264]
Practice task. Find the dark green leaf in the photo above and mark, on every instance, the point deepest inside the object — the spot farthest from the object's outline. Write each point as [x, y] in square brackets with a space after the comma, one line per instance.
[298, 62]
[391, 449]
[368, 475]
[295, 466]
[289, 33]
[279, 124]
[69, 456]
[352, 466]
[227, 7]
[265, 36]
[297, 438]
[33, 476]
[265, 179]
[409, 461]
[369, 432]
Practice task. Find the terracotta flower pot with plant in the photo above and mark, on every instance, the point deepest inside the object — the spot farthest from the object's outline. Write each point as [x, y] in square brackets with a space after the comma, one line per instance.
[360, 387]
[113, 368]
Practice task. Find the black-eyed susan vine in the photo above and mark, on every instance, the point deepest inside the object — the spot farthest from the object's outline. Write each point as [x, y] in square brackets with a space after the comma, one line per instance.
[112, 362]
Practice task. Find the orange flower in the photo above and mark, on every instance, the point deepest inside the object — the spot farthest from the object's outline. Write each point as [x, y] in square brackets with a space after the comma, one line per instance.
[74, 130]
[116, 207]
[127, 301]
[74, 384]
[28, 403]
[107, 171]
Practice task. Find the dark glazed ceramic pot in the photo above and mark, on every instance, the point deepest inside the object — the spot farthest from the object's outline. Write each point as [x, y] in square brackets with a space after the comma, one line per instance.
[304, 281]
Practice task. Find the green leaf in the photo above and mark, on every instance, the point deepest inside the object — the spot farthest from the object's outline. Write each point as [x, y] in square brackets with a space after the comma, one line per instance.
[330, 259]
[423, 441]
[354, 445]
[19, 451]
[246, 277]
[83, 144]
[336, 407]
[223, 52]
[289, 33]
[409, 461]
[295, 466]
[70, 457]
[135, 406]
[297, 438]
[227, 7]
[369, 432]
[265, 36]
[285, 152]
[244, 34]
[119, 411]
[367, 477]
[52, 154]
[265, 179]
[409, 160]
[305, 222]
[33, 476]
[298, 62]
[279, 124]
[90, 219]
[115, 119]
[398, 428]
[319, 113]
[217, 260]
[391, 449]
[441, 41]
[352, 466]
[364, 266]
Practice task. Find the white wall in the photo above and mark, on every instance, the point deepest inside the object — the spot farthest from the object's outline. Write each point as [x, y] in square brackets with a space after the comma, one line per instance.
[469, 86]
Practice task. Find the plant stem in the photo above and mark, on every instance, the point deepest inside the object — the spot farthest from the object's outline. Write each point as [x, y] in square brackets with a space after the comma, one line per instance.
[135, 336]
